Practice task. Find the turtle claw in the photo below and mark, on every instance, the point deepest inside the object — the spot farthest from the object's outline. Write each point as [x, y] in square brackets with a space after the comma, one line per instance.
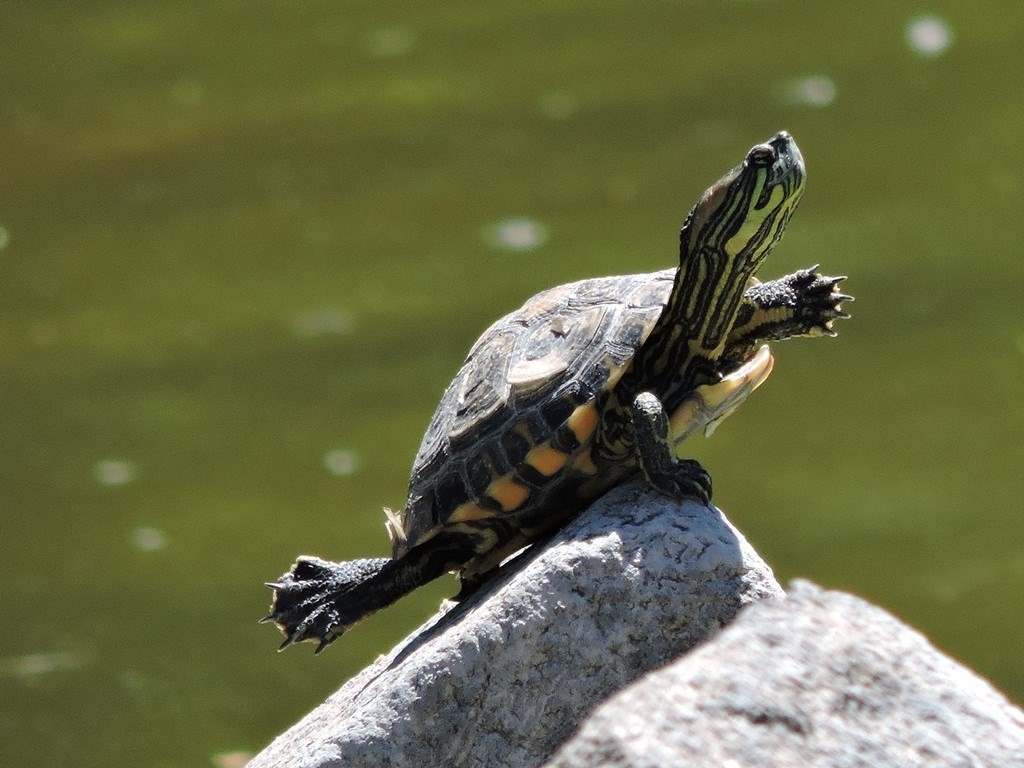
[324, 642]
[318, 600]
[804, 303]
[297, 637]
[308, 629]
[818, 303]
[686, 479]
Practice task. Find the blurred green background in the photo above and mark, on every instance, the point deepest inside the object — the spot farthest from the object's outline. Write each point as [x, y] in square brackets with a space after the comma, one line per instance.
[244, 247]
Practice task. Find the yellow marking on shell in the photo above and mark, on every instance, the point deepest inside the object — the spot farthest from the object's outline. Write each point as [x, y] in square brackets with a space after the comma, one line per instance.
[583, 422]
[508, 493]
[617, 371]
[681, 422]
[469, 511]
[711, 403]
[546, 460]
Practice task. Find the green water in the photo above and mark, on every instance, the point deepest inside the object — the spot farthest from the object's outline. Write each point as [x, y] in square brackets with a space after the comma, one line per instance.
[244, 246]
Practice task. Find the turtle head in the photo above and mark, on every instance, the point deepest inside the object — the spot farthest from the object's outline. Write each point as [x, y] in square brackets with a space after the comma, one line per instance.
[741, 216]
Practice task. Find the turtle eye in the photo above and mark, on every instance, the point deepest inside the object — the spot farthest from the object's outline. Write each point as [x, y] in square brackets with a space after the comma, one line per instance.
[762, 155]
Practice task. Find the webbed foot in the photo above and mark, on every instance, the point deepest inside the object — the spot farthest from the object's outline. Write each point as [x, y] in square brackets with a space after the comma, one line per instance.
[818, 302]
[678, 478]
[804, 303]
[687, 479]
[310, 599]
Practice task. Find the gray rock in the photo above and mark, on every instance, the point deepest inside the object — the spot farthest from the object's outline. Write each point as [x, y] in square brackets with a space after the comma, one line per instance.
[505, 677]
[818, 679]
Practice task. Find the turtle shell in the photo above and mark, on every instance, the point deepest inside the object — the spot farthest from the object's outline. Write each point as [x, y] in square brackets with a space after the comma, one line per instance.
[529, 374]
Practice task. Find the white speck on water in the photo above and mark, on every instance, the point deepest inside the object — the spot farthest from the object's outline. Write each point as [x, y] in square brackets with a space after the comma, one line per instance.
[114, 472]
[5, 237]
[516, 234]
[328, 321]
[812, 91]
[132, 680]
[388, 42]
[558, 105]
[340, 462]
[929, 36]
[37, 664]
[149, 539]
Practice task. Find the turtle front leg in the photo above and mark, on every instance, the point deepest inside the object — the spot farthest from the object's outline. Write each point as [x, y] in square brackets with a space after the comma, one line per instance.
[804, 303]
[678, 478]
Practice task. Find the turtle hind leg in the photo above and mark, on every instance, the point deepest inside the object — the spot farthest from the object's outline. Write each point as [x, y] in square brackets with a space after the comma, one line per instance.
[486, 566]
[318, 600]
[680, 479]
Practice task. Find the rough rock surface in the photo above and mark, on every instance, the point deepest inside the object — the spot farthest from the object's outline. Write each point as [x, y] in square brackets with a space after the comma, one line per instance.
[505, 677]
[819, 679]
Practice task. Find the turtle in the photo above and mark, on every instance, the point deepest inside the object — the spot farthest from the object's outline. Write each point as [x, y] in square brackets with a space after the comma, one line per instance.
[585, 386]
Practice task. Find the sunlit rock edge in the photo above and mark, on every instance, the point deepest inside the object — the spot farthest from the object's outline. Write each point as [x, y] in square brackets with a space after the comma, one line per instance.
[634, 584]
[819, 679]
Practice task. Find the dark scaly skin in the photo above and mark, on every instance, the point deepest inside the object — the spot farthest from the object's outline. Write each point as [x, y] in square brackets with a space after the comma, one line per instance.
[723, 242]
[309, 597]
[712, 323]
[801, 304]
[318, 599]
